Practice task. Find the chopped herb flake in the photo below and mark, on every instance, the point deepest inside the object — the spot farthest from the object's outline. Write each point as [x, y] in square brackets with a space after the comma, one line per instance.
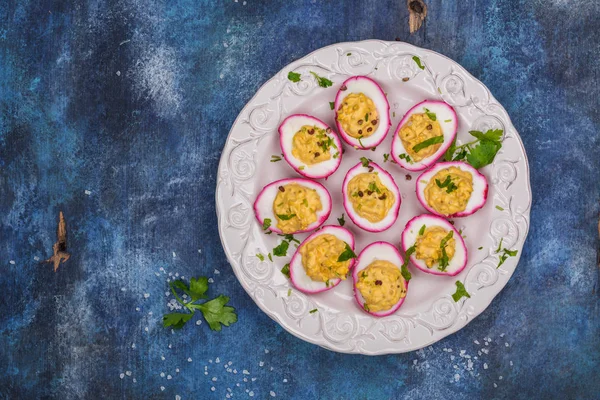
[286, 270]
[341, 220]
[499, 208]
[260, 257]
[418, 61]
[460, 292]
[314, 310]
[285, 217]
[331, 105]
[323, 82]
[281, 249]
[422, 230]
[431, 115]
[294, 76]
[429, 142]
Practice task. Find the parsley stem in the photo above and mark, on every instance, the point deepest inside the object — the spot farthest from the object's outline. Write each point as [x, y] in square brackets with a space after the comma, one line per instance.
[176, 296]
[466, 144]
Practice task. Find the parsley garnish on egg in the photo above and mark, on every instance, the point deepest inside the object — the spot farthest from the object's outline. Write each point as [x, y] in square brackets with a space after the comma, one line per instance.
[429, 142]
[347, 254]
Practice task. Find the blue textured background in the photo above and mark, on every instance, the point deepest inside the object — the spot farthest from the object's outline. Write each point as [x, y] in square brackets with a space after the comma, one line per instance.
[131, 101]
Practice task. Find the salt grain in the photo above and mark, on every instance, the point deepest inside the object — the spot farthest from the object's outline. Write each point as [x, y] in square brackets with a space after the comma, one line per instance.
[212, 389]
[122, 376]
[128, 373]
[485, 366]
[146, 295]
[162, 388]
[211, 280]
[162, 374]
[251, 394]
[169, 377]
[190, 359]
[272, 393]
[214, 379]
[262, 363]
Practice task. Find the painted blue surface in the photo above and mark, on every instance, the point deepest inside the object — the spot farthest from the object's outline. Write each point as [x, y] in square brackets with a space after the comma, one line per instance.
[131, 100]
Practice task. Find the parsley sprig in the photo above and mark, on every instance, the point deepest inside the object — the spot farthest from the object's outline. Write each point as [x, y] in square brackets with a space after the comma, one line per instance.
[505, 253]
[479, 152]
[323, 82]
[215, 311]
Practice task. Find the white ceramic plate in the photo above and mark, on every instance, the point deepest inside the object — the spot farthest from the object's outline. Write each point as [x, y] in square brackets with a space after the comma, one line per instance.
[429, 313]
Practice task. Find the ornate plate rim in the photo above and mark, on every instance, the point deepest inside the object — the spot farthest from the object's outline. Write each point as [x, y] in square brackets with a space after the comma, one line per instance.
[482, 305]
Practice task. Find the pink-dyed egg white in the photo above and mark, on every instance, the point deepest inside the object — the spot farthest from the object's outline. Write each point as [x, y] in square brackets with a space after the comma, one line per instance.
[476, 200]
[417, 227]
[298, 275]
[387, 181]
[439, 112]
[378, 251]
[318, 131]
[374, 129]
[263, 205]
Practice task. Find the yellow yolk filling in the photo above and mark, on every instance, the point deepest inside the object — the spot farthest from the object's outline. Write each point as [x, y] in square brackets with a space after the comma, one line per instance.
[358, 115]
[295, 207]
[418, 129]
[446, 203]
[381, 285]
[369, 197]
[320, 258]
[427, 246]
[311, 145]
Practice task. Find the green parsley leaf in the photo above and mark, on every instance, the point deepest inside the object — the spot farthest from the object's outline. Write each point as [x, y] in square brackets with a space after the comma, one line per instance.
[443, 264]
[422, 230]
[511, 253]
[404, 268]
[478, 153]
[216, 313]
[294, 76]
[285, 217]
[418, 61]
[289, 292]
[314, 310]
[266, 224]
[347, 254]
[275, 158]
[386, 157]
[323, 82]
[367, 117]
[286, 270]
[366, 307]
[176, 320]
[341, 220]
[260, 257]
[406, 157]
[483, 154]
[331, 105]
[460, 292]
[480, 248]
[198, 288]
[281, 250]
[493, 135]
[447, 120]
[430, 115]
[365, 162]
[429, 142]
[270, 257]
[499, 208]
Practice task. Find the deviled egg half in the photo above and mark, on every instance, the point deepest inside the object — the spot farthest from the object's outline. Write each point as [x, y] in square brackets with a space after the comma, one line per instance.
[371, 196]
[362, 112]
[292, 206]
[323, 260]
[434, 245]
[452, 189]
[424, 134]
[310, 146]
[379, 286]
